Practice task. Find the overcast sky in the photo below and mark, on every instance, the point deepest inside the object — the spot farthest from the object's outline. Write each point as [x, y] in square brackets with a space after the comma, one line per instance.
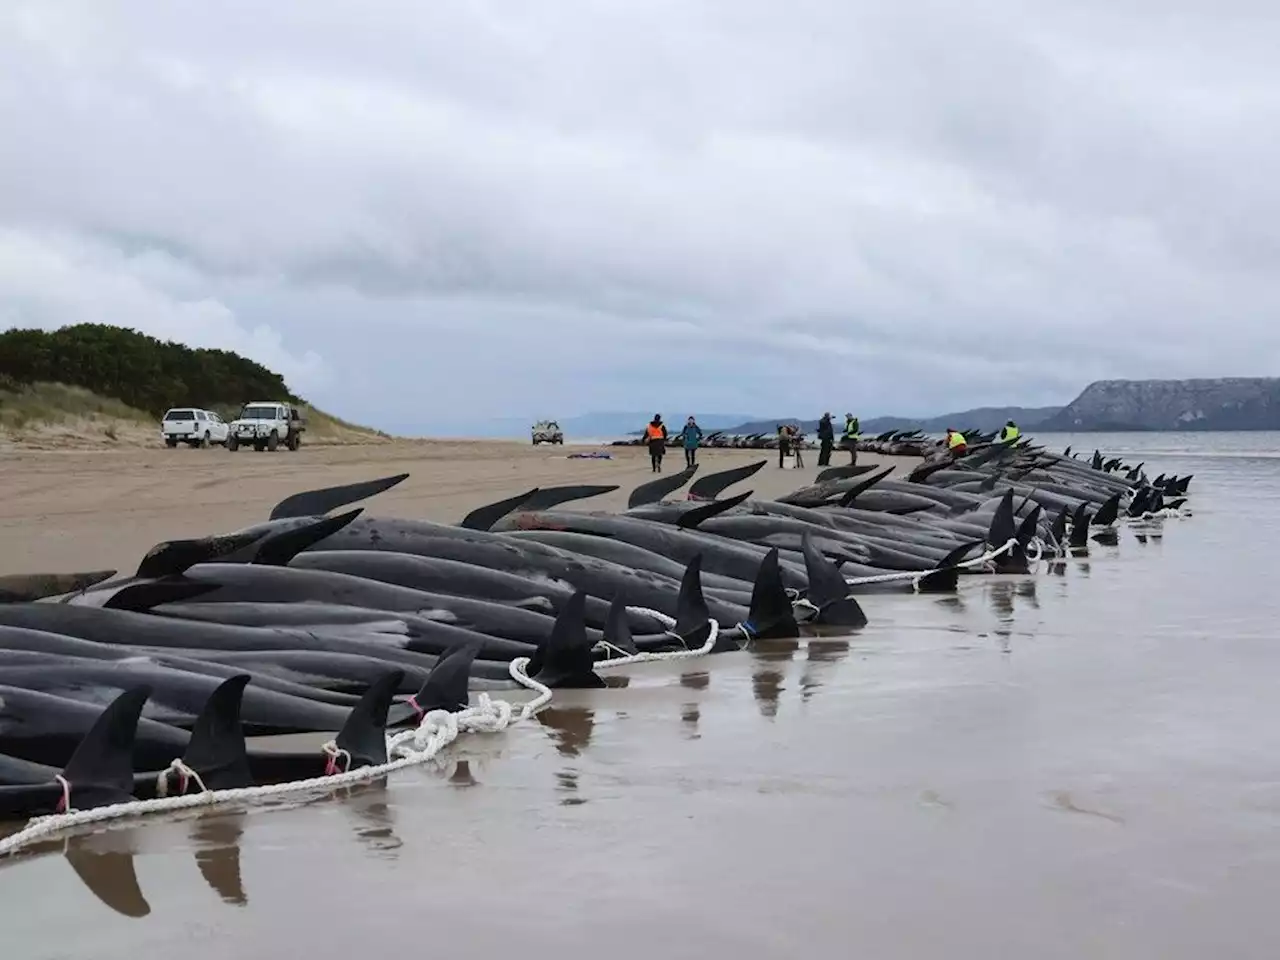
[433, 213]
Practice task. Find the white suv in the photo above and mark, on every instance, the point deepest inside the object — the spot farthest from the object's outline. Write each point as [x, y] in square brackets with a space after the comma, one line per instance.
[193, 426]
[266, 424]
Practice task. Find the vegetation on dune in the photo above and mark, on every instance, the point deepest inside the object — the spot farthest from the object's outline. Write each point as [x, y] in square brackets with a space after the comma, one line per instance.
[98, 371]
[139, 371]
[22, 406]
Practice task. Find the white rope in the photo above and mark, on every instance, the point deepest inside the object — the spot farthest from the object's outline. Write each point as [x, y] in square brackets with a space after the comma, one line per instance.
[437, 729]
[668, 622]
[917, 575]
[1040, 550]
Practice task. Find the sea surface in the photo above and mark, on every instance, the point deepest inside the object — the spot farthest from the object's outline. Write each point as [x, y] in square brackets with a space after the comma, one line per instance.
[1082, 763]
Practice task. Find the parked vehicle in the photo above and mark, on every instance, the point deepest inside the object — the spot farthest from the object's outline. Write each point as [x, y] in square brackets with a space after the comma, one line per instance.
[266, 424]
[547, 431]
[192, 426]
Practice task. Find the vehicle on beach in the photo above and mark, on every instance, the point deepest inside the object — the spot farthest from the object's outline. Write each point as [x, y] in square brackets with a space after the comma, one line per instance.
[266, 424]
[547, 431]
[192, 426]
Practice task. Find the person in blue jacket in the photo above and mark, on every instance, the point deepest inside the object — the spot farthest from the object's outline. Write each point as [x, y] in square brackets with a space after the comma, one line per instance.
[691, 435]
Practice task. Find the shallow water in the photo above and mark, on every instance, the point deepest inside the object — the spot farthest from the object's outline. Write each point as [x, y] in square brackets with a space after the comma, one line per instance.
[1081, 764]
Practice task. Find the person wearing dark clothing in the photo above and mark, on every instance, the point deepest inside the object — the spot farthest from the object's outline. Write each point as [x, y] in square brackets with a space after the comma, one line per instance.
[797, 443]
[691, 436]
[826, 440]
[656, 435]
[784, 445]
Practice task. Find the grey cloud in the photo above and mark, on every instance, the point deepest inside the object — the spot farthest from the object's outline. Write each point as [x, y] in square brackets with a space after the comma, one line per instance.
[922, 205]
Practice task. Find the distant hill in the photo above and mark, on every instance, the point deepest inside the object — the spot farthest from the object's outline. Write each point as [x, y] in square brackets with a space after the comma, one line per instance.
[1231, 403]
[981, 418]
[112, 379]
[593, 426]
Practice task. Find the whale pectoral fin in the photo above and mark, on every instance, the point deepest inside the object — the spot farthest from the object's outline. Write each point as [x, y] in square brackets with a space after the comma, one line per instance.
[278, 549]
[865, 485]
[141, 597]
[175, 556]
[483, 518]
[843, 473]
[546, 498]
[363, 736]
[713, 484]
[690, 519]
[100, 770]
[564, 659]
[655, 490]
[316, 503]
[217, 749]
[771, 614]
[535, 604]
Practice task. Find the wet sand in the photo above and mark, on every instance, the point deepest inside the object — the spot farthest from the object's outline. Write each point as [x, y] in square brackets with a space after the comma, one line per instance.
[1081, 764]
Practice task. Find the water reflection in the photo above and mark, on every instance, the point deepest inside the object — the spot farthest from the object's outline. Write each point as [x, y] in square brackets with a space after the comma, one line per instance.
[766, 681]
[461, 776]
[567, 783]
[217, 838]
[1026, 590]
[819, 655]
[689, 716]
[104, 863]
[1108, 538]
[367, 804]
[695, 681]
[570, 728]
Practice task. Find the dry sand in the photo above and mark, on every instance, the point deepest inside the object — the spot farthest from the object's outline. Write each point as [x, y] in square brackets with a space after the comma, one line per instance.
[69, 510]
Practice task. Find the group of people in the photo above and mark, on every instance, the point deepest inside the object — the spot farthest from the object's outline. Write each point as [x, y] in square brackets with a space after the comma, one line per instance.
[958, 446]
[655, 434]
[790, 440]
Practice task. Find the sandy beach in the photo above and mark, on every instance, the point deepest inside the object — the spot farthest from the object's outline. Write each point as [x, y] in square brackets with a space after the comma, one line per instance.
[68, 510]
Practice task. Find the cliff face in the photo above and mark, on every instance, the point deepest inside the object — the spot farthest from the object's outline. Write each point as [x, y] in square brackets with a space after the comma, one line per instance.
[1233, 403]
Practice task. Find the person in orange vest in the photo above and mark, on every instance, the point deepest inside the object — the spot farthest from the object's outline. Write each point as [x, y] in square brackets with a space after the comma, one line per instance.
[656, 435]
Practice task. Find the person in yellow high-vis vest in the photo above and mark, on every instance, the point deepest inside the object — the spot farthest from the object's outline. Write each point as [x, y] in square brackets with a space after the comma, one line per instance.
[957, 446]
[1010, 432]
[849, 440]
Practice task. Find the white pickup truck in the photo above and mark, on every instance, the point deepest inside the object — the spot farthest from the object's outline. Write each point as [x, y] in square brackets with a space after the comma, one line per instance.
[266, 424]
[192, 426]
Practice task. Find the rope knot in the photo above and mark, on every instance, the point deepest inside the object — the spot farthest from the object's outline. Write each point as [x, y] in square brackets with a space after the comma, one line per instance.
[335, 753]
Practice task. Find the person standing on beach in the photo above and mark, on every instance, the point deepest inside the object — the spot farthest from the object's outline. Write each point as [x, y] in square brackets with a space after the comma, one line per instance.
[784, 445]
[691, 436]
[826, 440]
[656, 434]
[850, 438]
